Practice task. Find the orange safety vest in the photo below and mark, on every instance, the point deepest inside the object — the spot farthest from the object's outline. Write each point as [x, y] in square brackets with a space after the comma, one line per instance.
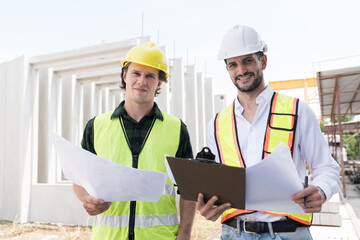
[281, 126]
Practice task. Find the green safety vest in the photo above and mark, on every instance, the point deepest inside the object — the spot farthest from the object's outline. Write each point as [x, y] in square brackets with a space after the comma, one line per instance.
[281, 127]
[153, 220]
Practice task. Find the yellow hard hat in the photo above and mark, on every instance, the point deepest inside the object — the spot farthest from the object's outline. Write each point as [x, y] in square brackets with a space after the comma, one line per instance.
[149, 55]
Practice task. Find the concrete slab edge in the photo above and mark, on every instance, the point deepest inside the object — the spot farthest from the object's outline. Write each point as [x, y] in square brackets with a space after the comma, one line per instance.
[352, 214]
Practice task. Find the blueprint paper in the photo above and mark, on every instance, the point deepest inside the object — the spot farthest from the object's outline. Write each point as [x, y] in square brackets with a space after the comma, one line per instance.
[271, 183]
[104, 179]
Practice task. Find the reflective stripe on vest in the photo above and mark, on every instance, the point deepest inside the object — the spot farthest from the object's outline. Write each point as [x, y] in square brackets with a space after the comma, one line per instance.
[281, 123]
[141, 221]
[169, 190]
[227, 143]
[281, 127]
[110, 143]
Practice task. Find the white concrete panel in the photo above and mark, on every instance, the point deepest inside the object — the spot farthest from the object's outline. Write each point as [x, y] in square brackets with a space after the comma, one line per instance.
[3, 103]
[66, 105]
[35, 126]
[88, 102]
[329, 219]
[94, 65]
[98, 100]
[47, 118]
[105, 100]
[13, 165]
[27, 145]
[75, 110]
[177, 88]
[111, 101]
[200, 110]
[219, 102]
[208, 100]
[101, 51]
[79, 129]
[119, 97]
[162, 100]
[94, 75]
[58, 107]
[191, 113]
[56, 204]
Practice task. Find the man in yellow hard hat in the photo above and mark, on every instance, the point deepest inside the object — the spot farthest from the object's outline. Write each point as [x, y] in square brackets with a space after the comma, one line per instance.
[138, 134]
[259, 113]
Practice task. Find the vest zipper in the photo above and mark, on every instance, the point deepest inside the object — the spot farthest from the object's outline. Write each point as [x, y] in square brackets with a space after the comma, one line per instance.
[135, 158]
[133, 204]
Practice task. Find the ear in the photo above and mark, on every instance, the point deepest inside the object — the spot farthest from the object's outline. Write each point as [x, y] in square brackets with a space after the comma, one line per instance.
[124, 75]
[263, 62]
[159, 83]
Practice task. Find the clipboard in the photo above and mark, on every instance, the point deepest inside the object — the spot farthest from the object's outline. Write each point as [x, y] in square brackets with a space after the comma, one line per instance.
[194, 177]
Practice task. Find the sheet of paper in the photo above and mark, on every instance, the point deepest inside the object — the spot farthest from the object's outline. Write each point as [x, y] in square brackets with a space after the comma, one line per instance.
[104, 179]
[168, 170]
[271, 183]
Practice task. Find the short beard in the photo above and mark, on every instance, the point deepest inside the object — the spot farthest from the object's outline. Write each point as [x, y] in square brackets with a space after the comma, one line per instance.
[256, 83]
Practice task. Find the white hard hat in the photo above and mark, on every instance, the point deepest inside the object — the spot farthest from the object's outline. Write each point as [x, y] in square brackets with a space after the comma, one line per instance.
[240, 40]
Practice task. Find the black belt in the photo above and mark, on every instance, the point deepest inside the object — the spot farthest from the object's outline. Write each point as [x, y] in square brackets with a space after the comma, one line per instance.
[262, 227]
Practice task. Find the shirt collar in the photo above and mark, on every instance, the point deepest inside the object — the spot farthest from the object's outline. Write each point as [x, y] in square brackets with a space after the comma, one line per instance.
[265, 96]
[120, 111]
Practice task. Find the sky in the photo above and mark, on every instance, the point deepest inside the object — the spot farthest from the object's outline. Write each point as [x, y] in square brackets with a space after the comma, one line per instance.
[303, 37]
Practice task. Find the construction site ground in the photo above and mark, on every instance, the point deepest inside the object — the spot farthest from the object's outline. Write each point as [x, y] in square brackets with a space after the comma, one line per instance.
[202, 229]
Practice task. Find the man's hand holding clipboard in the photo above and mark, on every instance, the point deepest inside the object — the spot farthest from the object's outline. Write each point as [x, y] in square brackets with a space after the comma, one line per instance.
[209, 184]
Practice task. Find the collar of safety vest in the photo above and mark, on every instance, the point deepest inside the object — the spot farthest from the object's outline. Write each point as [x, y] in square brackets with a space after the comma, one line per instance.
[120, 111]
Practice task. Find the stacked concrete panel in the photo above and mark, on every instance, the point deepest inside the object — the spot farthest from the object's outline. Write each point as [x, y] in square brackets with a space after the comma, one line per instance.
[208, 100]
[219, 102]
[14, 137]
[202, 125]
[59, 93]
[191, 113]
[177, 87]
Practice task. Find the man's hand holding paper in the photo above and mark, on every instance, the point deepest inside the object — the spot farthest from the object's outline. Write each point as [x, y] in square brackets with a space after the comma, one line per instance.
[106, 180]
[279, 182]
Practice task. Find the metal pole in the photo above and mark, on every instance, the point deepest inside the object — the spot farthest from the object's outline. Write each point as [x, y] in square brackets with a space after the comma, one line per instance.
[187, 57]
[158, 37]
[341, 144]
[205, 70]
[142, 24]
[174, 48]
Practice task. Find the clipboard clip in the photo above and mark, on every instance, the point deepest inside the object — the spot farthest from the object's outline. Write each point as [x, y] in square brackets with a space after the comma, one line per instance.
[206, 156]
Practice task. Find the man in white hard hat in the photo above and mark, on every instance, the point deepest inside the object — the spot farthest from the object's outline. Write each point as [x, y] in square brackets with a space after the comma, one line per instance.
[250, 128]
[138, 134]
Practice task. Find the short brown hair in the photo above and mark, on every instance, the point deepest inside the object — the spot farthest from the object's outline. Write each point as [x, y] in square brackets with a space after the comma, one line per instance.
[162, 77]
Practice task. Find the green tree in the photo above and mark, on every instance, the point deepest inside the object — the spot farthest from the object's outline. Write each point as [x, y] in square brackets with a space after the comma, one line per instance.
[345, 118]
[352, 149]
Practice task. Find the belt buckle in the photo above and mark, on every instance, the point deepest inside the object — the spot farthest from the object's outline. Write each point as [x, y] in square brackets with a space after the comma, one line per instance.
[244, 226]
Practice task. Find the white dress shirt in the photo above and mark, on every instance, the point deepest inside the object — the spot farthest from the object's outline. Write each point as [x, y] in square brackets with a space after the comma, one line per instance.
[310, 145]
